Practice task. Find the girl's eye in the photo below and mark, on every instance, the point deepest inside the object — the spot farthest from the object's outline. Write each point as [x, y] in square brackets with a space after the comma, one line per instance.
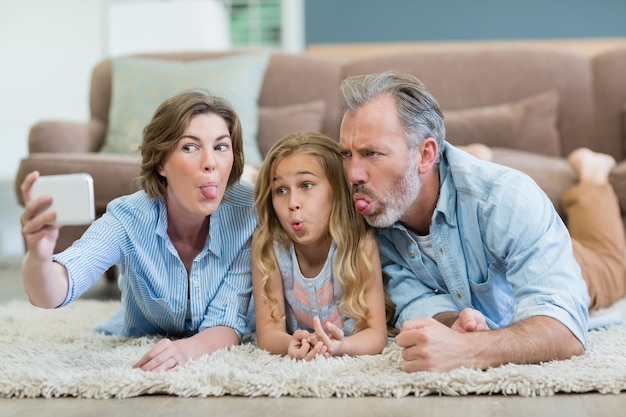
[280, 191]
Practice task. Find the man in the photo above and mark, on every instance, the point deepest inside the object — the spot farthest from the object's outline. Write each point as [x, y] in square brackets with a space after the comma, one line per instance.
[478, 262]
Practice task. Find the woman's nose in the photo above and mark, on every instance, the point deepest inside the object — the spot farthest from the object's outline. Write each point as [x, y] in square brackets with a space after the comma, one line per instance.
[208, 162]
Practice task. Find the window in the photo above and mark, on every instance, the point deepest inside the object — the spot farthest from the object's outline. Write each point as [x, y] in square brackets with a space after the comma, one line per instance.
[266, 23]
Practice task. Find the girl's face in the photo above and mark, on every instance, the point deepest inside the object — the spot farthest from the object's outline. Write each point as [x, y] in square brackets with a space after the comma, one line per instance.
[198, 168]
[302, 196]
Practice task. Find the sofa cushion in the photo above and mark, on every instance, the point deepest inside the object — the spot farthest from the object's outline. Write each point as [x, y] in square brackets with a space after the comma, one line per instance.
[275, 122]
[141, 84]
[529, 124]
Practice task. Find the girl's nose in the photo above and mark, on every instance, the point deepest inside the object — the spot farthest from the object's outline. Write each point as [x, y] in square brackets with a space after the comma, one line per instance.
[293, 204]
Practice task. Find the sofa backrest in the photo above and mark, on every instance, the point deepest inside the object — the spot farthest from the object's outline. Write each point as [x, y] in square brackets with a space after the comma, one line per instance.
[591, 90]
[609, 81]
[477, 77]
[289, 79]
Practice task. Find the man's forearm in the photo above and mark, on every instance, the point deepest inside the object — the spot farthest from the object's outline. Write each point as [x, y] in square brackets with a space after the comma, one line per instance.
[533, 340]
[428, 345]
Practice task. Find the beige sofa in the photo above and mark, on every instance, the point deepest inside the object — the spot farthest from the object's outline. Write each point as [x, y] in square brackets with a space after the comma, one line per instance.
[533, 105]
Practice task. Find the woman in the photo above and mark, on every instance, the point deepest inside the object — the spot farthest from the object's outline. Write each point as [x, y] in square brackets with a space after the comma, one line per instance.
[182, 243]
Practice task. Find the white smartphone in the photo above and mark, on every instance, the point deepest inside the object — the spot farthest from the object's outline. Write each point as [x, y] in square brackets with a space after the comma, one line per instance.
[72, 197]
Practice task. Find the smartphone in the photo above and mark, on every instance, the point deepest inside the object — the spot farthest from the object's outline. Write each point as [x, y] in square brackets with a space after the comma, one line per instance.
[72, 197]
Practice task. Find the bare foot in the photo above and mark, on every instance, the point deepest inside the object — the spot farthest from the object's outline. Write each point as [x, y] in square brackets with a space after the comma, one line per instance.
[591, 167]
[478, 150]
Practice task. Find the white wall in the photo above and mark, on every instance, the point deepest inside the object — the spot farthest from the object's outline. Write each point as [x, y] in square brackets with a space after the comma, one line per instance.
[47, 50]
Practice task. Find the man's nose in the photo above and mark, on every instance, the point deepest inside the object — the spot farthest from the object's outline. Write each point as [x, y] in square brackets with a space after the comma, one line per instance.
[355, 171]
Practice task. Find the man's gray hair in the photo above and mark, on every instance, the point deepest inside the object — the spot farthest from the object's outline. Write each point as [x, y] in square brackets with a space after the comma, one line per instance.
[418, 110]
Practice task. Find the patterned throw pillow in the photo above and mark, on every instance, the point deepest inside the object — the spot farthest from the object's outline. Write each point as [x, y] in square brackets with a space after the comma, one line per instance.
[139, 85]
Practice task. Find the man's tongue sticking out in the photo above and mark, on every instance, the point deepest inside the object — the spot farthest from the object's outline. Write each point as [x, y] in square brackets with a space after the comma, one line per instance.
[362, 206]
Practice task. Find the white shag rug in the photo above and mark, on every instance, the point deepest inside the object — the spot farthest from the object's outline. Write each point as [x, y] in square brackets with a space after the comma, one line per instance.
[54, 353]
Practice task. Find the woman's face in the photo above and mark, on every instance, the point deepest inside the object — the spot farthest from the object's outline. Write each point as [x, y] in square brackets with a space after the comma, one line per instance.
[198, 168]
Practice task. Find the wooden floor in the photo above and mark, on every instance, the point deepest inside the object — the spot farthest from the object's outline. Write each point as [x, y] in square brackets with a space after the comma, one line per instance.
[596, 405]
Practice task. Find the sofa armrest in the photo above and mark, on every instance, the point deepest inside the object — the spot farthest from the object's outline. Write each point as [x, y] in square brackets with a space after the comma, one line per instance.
[65, 136]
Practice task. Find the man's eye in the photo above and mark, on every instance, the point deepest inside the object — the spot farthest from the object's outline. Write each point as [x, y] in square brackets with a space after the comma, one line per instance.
[345, 154]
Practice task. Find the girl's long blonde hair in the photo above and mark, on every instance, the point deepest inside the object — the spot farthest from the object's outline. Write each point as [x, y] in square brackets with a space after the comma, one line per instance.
[347, 228]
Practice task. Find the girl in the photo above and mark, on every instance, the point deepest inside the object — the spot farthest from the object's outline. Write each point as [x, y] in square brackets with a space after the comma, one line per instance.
[316, 271]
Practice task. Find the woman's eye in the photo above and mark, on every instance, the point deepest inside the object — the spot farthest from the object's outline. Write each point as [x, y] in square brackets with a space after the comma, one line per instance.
[280, 191]
[222, 147]
[307, 185]
[188, 147]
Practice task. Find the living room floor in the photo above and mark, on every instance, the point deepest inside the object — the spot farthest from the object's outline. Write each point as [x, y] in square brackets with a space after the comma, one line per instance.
[596, 405]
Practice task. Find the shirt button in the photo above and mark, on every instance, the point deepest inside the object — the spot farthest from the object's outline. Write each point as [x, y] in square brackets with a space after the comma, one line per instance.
[436, 290]
[441, 250]
[196, 284]
[310, 284]
[314, 311]
[459, 296]
[411, 254]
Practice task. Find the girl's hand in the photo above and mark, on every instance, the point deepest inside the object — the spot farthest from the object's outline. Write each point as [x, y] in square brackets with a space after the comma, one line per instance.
[333, 341]
[40, 236]
[301, 346]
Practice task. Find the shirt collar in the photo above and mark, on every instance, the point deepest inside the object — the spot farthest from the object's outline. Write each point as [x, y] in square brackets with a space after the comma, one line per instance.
[446, 204]
[214, 237]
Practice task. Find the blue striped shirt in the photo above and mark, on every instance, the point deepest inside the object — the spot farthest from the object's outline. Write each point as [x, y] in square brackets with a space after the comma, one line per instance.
[153, 280]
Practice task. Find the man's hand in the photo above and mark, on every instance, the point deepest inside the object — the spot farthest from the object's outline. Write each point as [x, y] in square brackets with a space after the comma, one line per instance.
[470, 320]
[429, 345]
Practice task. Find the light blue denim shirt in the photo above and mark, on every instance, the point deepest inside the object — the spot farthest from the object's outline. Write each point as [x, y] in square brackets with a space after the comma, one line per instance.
[500, 248]
[153, 280]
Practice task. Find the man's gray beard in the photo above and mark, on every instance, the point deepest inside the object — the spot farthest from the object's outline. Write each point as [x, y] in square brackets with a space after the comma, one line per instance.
[396, 202]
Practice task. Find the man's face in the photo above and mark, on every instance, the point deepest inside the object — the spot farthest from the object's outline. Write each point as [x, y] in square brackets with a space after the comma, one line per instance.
[380, 166]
